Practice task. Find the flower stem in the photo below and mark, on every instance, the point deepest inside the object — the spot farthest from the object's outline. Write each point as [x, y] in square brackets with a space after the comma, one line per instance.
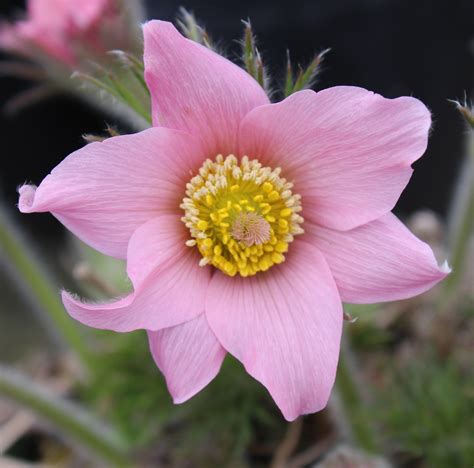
[354, 408]
[29, 269]
[462, 222]
[71, 420]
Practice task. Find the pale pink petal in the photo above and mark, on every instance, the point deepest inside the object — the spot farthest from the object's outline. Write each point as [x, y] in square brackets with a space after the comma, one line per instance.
[379, 261]
[347, 150]
[104, 191]
[170, 290]
[285, 327]
[189, 356]
[195, 89]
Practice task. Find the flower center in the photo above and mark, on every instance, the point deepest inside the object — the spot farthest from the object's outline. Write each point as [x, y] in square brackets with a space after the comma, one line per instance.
[241, 216]
[250, 229]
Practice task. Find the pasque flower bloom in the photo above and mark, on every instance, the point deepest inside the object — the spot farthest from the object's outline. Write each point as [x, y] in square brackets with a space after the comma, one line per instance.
[246, 224]
[67, 31]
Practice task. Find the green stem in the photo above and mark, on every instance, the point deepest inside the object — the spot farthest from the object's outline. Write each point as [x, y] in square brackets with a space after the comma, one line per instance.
[82, 427]
[17, 252]
[463, 225]
[354, 407]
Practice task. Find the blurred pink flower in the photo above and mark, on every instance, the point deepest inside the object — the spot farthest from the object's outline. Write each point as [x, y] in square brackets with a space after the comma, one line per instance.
[347, 153]
[66, 30]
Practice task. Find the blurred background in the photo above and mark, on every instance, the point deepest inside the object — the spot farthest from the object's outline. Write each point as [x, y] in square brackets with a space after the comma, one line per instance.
[406, 389]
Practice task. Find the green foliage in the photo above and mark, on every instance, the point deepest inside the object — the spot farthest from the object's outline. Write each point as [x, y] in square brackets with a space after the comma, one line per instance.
[123, 81]
[252, 59]
[190, 27]
[364, 333]
[305, 78]
[427, 411]
[68, 418]
[466, 110]
[101, 277]
[215, 427]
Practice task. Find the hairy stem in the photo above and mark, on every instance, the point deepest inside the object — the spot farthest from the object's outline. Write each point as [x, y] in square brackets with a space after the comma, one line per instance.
[462, 222]
[69, 419]
[16, 251]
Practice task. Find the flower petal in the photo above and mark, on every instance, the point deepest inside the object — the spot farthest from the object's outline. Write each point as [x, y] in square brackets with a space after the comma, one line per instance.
[104, 191]
[195, 89]
[189, 356]
[380, 261]
[347, 150]
[170, 290]
[284, 325]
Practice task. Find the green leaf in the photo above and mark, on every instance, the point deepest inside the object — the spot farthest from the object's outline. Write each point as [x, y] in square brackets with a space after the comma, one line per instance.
[252, 59]
[305, 78]
[190, 28]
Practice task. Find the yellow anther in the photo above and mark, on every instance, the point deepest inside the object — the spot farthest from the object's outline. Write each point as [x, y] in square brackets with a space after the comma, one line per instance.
[273, 196]
[234, 188]
[281, 246]
[202, 225]
[270, 218]
[267, 187]
[258, 198]
[264, 264]
[244, 201]
[217, 250]
[265, 208]
[286, 212]
[230, 268]
[283, 223]
[277, 257]
[237, 207]
[209, 200]
[207, 243]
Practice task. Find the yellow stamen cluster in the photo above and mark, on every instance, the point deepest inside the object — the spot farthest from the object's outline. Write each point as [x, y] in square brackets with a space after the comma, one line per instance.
[241, 215]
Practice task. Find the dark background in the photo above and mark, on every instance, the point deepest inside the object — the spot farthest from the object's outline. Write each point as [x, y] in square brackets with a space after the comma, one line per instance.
[419, 48]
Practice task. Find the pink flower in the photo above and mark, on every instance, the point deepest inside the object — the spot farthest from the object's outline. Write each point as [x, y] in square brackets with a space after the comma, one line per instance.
[240, 275]
[65, 30]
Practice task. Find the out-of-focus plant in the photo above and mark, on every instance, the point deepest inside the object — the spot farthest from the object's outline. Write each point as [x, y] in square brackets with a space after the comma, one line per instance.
[218, 424]
[461, 222]
[71, 421]
[98, 42]
[427, 410]
[16, 250]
